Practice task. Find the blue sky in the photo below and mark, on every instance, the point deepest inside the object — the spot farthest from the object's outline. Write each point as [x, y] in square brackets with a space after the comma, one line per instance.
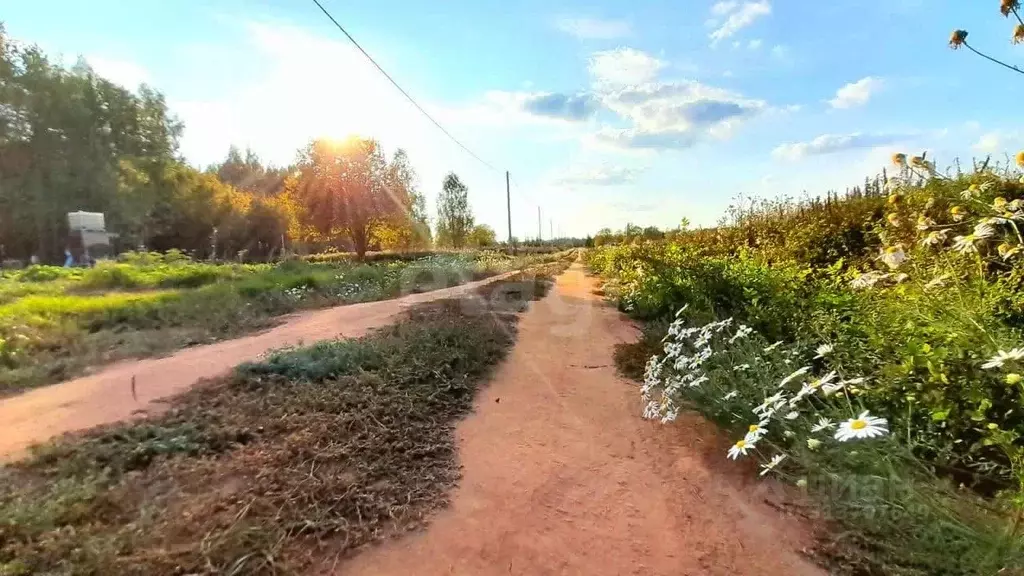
[605, 112]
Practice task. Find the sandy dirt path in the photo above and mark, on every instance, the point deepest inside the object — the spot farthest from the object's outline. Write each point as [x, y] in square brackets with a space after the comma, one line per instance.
[562, 476]
[106, 396]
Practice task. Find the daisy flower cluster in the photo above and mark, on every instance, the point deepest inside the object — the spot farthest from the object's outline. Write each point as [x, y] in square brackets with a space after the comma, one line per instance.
[973, 225]
[812, 407]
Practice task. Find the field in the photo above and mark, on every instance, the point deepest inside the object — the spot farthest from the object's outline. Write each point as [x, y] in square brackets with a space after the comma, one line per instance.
[338, 444]
[56, 323]
[866, 349]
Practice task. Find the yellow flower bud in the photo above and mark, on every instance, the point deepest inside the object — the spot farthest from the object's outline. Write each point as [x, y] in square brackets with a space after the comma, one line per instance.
[900, 159]
[1020, 158]
[999, 203]
[893, 219]
[1013, 379]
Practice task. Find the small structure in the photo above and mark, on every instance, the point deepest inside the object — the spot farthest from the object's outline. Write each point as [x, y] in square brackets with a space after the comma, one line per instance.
[88, 236]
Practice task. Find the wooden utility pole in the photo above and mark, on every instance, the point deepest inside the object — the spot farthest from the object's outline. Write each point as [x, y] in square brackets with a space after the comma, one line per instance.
[508, 206]
[540, 235]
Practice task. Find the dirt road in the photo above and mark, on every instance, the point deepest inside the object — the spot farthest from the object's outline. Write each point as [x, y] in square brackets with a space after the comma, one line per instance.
[107, 397]
[562, 476]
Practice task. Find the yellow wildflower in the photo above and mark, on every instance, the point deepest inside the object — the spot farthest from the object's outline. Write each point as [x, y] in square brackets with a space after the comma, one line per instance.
[893, 219]
[895, 199]
[957, 38]
[1013, 378]
[900, 159]
[957, 213]
[1006, 251]
[1020, 158]
[999, 203]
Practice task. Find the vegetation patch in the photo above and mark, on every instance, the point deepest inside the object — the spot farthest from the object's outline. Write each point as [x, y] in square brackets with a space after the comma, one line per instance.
[805, 328]
[306, 455]
[57, 322]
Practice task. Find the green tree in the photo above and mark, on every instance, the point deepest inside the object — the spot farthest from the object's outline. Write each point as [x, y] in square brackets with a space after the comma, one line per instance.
[348, 190]
[454, 216]
[482, 236]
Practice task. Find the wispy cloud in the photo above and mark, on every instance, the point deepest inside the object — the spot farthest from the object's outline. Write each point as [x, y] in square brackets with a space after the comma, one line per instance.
[857, 93]
[124, 72]
[594, 28]
[600, 176]
[673, 115]
[623, 66]
[740, 15]
[835, 143]
[572, 107]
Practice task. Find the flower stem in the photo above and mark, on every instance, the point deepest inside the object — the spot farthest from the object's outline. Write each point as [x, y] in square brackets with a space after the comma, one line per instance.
[991, 59]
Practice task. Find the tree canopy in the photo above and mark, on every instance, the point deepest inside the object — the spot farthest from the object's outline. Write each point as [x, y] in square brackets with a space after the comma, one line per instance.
[454, 216]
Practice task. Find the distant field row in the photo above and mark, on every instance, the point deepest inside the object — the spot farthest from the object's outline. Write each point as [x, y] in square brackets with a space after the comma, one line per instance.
[55, 322]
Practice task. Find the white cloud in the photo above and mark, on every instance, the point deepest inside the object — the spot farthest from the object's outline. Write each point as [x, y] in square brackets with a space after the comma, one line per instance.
[673, 115]
[594, 28]
[740, 16]
[123, 72]
[599, 176]
[856, 93]
[997, 142]
[623, 66]
[755, 44]
[834, 143]
[724, 7]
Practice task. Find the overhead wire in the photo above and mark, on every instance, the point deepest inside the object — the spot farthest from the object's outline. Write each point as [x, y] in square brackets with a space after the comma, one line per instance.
[402, 90]
[413, 100]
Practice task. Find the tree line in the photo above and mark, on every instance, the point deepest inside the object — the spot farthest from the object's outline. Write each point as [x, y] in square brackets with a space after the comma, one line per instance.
[72, 140]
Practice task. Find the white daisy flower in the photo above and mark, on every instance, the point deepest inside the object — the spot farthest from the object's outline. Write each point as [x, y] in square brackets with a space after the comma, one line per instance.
[984, 229]
[813, 444]
[868, 279]
[934, 238]
[893, 256]
[741, 367]
[830, 389]
[965, 244]
[775, 461]
[756, 431]
[731, 395]
[863, 426]
[740, 448]
[742, 332]
[1001, 357]
[773, 346]
[792, 415]
[823, 350]
[698, 382]
[823, 424]
[800, 372]
[768, 402]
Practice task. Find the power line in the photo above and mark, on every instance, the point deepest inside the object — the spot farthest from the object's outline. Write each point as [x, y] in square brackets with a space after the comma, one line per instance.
[402, 90]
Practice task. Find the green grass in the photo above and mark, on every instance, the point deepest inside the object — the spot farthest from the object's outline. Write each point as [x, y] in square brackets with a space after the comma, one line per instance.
[328, 447]
[56, 322]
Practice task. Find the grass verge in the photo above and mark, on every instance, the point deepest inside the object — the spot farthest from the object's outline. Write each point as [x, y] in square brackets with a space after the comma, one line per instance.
[308, 454]
[54, 327]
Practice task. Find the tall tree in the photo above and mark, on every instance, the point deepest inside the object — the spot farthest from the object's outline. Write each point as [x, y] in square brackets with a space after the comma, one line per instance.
[348, 190]
[454, 216]
[249, 173]
[482, 236]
